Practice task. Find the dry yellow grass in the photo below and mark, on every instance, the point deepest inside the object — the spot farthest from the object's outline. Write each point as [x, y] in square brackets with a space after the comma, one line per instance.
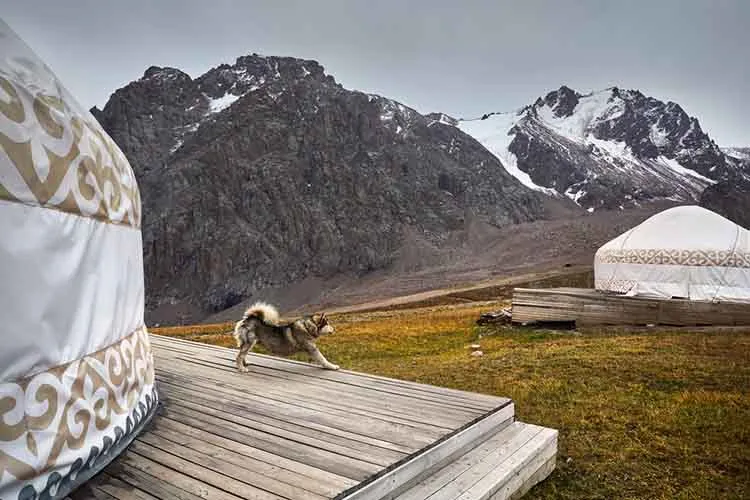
[659, 414]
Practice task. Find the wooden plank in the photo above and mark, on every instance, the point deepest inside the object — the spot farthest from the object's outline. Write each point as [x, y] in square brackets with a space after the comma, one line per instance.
[589, 307]
[261, 383]
[404, 433]
[321, 459]
[122, 490]
[396, 405]
[89, 491]
[300, 398]
[254, 428]
[444, 476]
[485, 465]
[403, 437]
[483, 401]
[217, 460]
[401, 476]
[217, 361]
[159, 487]
[199, 472]
[173, 474]
[287, 421]
[394, 401]
[539, 475]
[516, 470]
[283, 469]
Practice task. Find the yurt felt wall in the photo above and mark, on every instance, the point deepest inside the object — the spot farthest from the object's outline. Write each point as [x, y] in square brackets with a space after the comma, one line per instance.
[684, 252]
[76, 370]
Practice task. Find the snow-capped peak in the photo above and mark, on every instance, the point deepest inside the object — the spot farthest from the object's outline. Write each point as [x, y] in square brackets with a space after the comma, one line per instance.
[603, 148]
[589, 110]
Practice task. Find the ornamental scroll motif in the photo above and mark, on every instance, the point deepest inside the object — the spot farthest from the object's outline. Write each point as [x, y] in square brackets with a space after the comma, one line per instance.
[54, 157]
[703, 258]
[70, 407]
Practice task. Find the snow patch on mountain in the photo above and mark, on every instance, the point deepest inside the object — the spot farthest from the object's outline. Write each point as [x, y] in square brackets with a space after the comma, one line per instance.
[221, 103]
[597, 106]
[614, 150]
[739, 153]
[675, 165]
[495, 134]
[658, 136]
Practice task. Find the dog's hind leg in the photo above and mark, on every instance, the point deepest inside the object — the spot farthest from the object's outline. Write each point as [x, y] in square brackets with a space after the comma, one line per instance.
[242, 355]
[318, 357]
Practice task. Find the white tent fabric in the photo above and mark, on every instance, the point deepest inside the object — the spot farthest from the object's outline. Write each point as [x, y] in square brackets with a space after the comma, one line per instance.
[684, 252]
[76, 370]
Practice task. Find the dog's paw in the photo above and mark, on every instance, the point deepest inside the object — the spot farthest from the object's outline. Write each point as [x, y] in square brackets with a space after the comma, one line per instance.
[243, 369]
[331, 367]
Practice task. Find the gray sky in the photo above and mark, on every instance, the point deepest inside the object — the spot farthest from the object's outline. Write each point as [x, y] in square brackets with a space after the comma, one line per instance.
[463, 57]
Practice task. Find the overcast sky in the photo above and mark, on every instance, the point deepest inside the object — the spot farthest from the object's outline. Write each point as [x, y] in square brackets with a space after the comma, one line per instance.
[463, 57]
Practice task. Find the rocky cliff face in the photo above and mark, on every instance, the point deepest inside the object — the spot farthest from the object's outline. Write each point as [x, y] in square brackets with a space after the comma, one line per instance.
[266, 172]
[608, 149]
[730, 199]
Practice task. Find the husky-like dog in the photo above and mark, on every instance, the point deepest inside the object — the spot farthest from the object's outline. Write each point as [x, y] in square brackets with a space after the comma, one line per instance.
[261, 324]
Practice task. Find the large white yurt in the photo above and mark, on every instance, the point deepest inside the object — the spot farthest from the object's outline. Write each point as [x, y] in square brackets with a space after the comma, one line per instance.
[684, 252]
[76, 370]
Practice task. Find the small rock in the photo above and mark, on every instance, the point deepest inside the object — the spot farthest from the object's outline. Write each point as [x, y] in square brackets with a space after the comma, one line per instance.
[476, 346]
[476, 354]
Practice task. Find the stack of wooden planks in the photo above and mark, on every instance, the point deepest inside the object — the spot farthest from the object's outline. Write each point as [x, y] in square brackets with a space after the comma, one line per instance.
[590, 307]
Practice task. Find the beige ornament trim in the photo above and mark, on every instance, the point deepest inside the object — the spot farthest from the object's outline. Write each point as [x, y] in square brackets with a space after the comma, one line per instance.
[701, 258]
[618, 286]
[58, 159]
[53, 418]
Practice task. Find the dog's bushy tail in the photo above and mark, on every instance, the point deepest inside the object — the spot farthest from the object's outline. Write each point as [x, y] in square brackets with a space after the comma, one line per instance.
[265, 312]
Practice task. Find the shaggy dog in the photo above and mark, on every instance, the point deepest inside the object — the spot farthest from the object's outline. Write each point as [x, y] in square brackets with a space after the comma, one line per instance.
[261, 324]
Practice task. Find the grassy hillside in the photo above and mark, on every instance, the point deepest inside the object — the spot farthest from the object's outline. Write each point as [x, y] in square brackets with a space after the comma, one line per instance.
[642, 414]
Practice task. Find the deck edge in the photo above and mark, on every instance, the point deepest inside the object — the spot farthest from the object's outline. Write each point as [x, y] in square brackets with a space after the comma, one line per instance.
[453, 444]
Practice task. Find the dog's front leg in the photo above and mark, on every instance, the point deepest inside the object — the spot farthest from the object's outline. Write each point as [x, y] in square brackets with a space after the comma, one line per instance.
[316, 355]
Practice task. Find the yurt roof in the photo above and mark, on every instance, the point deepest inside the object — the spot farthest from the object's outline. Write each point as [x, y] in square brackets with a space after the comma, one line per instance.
[682, 228]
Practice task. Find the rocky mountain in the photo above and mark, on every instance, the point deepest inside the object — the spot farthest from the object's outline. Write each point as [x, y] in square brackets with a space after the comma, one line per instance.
[742, 154]
[730, 199]
[267, 172]
[608, 149]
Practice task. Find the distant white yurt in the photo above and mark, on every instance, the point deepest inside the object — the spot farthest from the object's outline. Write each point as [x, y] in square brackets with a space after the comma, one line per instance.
[76, 370]
[684, 252]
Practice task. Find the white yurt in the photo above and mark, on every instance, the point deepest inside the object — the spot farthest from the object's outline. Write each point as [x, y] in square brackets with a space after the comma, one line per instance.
[685, 252]
[76, 370]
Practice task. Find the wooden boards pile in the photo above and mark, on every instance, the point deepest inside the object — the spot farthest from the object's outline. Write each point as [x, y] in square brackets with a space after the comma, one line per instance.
[591, 307]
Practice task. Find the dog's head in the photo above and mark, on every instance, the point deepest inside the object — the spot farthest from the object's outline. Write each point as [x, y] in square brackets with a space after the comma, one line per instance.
[324, 327]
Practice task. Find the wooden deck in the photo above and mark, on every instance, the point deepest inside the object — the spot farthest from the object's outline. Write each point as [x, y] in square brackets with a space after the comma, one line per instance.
[289, 430]
[584, 306]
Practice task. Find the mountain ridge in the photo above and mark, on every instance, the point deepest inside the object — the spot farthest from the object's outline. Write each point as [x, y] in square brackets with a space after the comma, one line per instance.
[605, 149]
[267, 174]
[267, 171]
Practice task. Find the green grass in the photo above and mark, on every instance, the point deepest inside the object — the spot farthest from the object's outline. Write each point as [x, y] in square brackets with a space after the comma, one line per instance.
[651, 414]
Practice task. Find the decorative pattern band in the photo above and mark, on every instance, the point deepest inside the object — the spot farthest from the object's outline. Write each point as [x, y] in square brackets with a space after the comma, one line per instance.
[60, 426]
[53, 156]
[613, 285]
[702, 258]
